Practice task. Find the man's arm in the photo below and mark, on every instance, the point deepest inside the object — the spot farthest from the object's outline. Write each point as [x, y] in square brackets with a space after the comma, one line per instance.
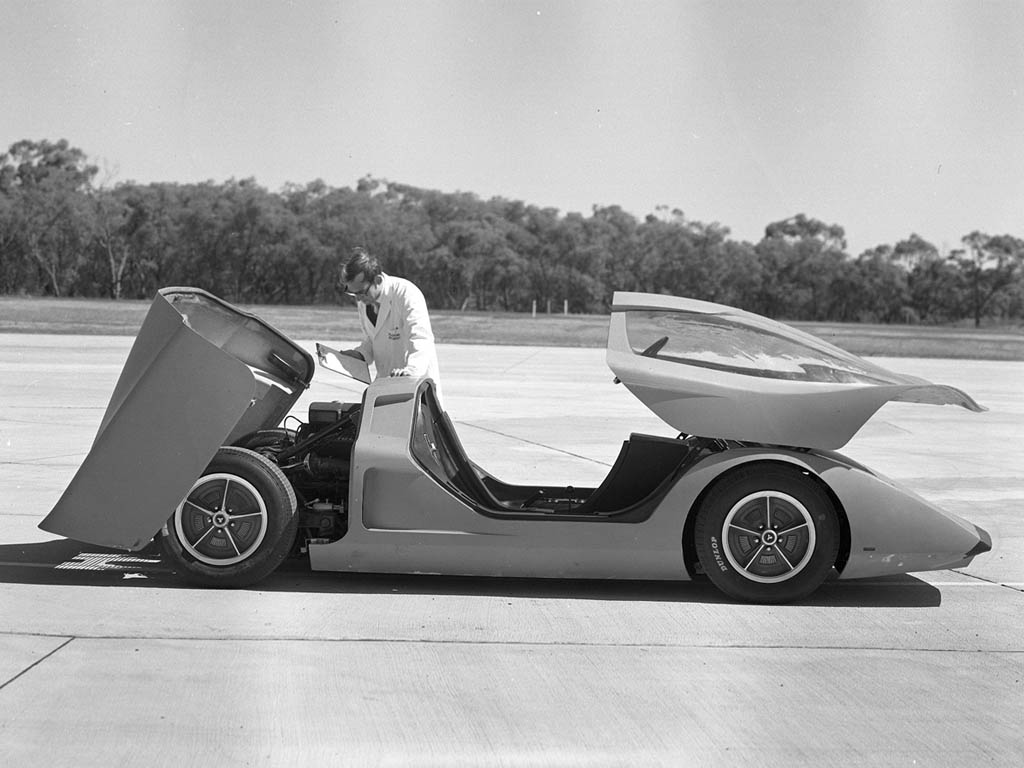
[364, 351]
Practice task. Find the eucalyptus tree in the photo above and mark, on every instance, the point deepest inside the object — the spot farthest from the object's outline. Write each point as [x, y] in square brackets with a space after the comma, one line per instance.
[800, 258]
[990, 265]
[871, 288]
[937, 291]
[45, 185]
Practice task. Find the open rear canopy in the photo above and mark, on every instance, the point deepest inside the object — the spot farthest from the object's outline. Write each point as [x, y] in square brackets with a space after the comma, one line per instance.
[712, 370]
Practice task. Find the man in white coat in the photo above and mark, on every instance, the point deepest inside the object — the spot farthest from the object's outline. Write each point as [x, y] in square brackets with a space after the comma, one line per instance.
[397, 337]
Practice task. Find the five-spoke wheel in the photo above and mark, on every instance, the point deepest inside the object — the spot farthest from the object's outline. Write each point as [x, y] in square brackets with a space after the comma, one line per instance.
[236, 524]
[767, 534]
[222, 521]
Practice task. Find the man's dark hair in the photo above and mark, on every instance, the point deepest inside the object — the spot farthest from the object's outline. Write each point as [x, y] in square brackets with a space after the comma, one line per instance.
[360, 262]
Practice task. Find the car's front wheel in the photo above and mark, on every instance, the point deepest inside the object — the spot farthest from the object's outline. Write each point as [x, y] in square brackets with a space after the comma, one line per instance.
[236, 524]
[767, 534]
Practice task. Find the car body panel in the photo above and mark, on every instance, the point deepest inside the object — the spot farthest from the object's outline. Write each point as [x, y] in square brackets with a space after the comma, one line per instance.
[892, 529]
[197, 375]
[727, 373]
[439, 533]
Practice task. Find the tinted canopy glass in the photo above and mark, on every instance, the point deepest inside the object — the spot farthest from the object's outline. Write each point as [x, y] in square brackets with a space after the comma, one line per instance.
[728, 343]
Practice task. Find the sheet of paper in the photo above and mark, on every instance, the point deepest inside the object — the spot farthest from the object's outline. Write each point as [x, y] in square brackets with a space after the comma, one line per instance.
[339, 362]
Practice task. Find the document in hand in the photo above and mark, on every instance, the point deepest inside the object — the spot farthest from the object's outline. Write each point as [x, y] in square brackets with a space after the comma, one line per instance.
[339, 362]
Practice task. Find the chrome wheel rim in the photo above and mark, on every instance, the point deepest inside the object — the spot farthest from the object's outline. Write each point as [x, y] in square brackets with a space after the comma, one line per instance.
[768, 537]
[222, 521]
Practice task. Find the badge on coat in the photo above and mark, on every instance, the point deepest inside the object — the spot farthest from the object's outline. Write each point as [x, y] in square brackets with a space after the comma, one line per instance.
[394, 334]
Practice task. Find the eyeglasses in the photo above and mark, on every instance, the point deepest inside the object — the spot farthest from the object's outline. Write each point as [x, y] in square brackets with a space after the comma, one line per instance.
[362, 293]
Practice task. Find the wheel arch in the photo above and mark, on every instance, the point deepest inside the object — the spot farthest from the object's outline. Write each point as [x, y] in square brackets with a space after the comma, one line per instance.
[689, 542]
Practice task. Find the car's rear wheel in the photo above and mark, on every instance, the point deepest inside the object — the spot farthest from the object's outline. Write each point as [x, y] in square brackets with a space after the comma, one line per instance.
[236, 524]
[767, 534]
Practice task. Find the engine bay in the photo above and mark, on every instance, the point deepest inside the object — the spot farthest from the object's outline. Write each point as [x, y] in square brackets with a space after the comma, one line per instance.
[316, 458]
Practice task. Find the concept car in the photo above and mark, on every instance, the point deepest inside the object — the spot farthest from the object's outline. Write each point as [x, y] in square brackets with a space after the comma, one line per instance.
[197, 450]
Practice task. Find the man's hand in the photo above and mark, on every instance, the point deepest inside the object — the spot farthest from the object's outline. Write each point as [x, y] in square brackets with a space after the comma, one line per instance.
[400, 372]
[323, 351]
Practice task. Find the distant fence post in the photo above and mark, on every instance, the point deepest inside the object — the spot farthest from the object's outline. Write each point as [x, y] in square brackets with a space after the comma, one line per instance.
[534, 307]
[565, 307]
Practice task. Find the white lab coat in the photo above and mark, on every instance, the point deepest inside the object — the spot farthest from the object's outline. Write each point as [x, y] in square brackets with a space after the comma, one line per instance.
[402, 338]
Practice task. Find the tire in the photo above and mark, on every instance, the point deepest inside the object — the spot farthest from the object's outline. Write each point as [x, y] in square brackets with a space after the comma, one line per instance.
[239, 546]
[268, 440]
[767, 534]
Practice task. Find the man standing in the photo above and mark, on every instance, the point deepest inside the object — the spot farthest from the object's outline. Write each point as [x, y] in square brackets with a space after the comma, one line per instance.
[397, 337]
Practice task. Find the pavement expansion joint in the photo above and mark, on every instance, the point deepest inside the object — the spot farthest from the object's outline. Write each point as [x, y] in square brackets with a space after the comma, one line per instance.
[545, 446]
[38, 661]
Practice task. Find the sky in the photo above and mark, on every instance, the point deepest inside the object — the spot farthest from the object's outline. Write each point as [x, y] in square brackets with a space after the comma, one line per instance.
[885, 117]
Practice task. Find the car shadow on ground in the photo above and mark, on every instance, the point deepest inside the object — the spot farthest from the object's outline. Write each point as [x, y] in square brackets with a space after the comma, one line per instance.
[68, 562]
[72, 563]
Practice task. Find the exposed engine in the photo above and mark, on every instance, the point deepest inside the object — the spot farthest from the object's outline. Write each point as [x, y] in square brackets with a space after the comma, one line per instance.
[316, 458]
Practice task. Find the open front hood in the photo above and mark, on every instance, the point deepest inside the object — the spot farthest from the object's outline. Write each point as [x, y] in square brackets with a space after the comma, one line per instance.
[711, 370]
[200, 374]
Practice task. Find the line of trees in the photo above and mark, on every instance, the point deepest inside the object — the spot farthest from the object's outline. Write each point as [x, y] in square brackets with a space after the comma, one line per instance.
[62, 234]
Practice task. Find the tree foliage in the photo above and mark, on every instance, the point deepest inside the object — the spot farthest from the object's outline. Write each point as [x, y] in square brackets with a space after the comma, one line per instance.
[63, 235]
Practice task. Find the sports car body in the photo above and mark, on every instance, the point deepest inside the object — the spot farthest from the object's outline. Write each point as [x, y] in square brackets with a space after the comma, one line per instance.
[197, 450]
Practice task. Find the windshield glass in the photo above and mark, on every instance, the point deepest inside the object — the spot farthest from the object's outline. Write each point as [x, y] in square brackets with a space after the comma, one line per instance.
[735, 345]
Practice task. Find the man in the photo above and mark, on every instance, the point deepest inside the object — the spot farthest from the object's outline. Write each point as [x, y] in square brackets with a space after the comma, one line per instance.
[393, 315]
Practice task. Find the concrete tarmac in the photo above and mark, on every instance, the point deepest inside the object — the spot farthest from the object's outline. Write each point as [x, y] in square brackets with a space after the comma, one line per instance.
[109, 660]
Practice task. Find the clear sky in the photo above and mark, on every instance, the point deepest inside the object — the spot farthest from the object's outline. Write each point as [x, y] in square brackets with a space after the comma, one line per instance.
[886, 117]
